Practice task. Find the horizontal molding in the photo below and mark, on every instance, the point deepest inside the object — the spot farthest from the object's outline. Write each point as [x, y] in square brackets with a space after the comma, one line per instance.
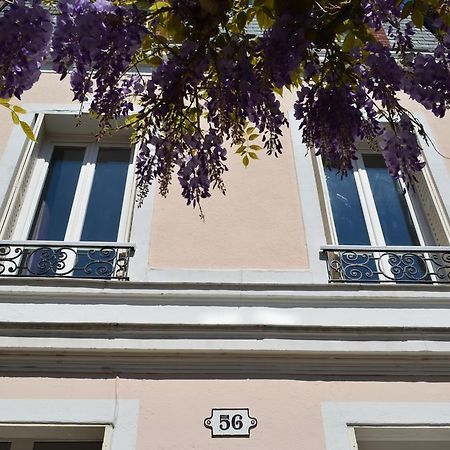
[72, 291]
[204, 365]
[150, 331]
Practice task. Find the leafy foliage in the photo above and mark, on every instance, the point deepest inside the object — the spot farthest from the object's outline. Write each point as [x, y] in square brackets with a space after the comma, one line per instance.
[213, 80]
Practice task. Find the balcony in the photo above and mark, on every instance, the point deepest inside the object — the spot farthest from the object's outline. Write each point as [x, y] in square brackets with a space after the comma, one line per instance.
[360, 264]
[98, 260]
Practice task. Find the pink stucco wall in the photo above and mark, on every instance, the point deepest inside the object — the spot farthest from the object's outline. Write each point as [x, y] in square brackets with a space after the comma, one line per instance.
[257, 225]
[172, 411]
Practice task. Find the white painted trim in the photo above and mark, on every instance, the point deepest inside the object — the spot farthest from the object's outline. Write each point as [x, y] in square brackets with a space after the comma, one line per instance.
[319, 349]
[439, 173]
[84, 184]
[65, 290]
[17, 148]
[235, 315]
[33, 193]
[138, 269]
[339, 416]
[129, 200]
[82, 194]
[310, 203]
[122, 415]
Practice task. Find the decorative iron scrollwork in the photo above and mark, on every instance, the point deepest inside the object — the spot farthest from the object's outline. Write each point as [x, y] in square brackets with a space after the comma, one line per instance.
[387, 264]
[58, 259]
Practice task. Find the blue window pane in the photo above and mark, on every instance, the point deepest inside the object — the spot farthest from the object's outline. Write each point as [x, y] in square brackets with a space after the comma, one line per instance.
[392, 209]
[105, 202]
[55, 204]
[346, 207]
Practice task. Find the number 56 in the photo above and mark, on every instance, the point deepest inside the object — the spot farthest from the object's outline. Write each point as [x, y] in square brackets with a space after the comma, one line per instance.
[236, 422]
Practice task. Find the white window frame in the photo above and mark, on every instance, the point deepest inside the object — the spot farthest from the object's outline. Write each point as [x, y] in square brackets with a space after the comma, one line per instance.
[414, 433]
[81, 198]
[341, 418]
[368, 207]
[24, 436]
[119, 417]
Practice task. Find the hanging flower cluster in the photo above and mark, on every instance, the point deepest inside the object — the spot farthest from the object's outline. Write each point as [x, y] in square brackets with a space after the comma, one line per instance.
[26, 30]
[213, 80]
[96, 43]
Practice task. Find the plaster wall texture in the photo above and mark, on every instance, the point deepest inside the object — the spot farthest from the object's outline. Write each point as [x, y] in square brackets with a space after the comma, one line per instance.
[257, 224]
[49, 89]
[437, 128]
[171, 412]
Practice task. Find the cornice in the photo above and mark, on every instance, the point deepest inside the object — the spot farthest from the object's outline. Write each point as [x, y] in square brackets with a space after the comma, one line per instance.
[222, 365]
[71, 291]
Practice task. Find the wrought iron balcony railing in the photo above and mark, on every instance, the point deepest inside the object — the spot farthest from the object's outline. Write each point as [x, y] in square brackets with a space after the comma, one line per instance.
[361, 264]
[101, 260]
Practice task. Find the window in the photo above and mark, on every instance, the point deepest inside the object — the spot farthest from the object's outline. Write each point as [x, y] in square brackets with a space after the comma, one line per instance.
[370, 208]
[386, 425]
[82, 194]
[77, 191]
[52, 437]
[367, 208]
[401, 438]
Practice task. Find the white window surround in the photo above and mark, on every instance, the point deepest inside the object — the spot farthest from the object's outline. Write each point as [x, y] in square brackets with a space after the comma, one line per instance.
[340, 418]
[369, 208]
[84, 184]
[39, 173]
[311, 188]
[120, 417]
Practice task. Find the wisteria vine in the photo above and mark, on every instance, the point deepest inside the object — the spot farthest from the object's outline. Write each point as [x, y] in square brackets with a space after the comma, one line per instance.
[215, 80]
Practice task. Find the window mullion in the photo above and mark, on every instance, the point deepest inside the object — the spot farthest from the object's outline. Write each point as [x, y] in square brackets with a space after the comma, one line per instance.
[128, 200]
[373, 224]
[368, 205]
[81, 199]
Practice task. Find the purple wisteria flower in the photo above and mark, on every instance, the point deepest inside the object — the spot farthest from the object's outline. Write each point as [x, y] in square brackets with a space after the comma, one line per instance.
[401, 150]
[96, 42]
[26, 30]
[332, 119]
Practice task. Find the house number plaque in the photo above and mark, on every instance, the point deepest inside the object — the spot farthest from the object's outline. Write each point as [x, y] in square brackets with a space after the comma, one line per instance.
[230, 422]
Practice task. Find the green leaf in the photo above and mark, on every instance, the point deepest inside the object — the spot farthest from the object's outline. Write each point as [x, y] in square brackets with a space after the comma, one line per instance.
[245, 160]
[263, 18]
[253, 155]
[15, 118]
[349, 42]
[175, 28]
[130, 119]
[255, 147]
[27, 130]
[159, 5]
[278, 90]
[252, 137]
[19, 109]
[241, 20]
[417, 18]
[4, 101]
[406, 10]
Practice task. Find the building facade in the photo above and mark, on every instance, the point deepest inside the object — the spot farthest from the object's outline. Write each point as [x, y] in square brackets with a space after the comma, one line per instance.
[319, 306]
